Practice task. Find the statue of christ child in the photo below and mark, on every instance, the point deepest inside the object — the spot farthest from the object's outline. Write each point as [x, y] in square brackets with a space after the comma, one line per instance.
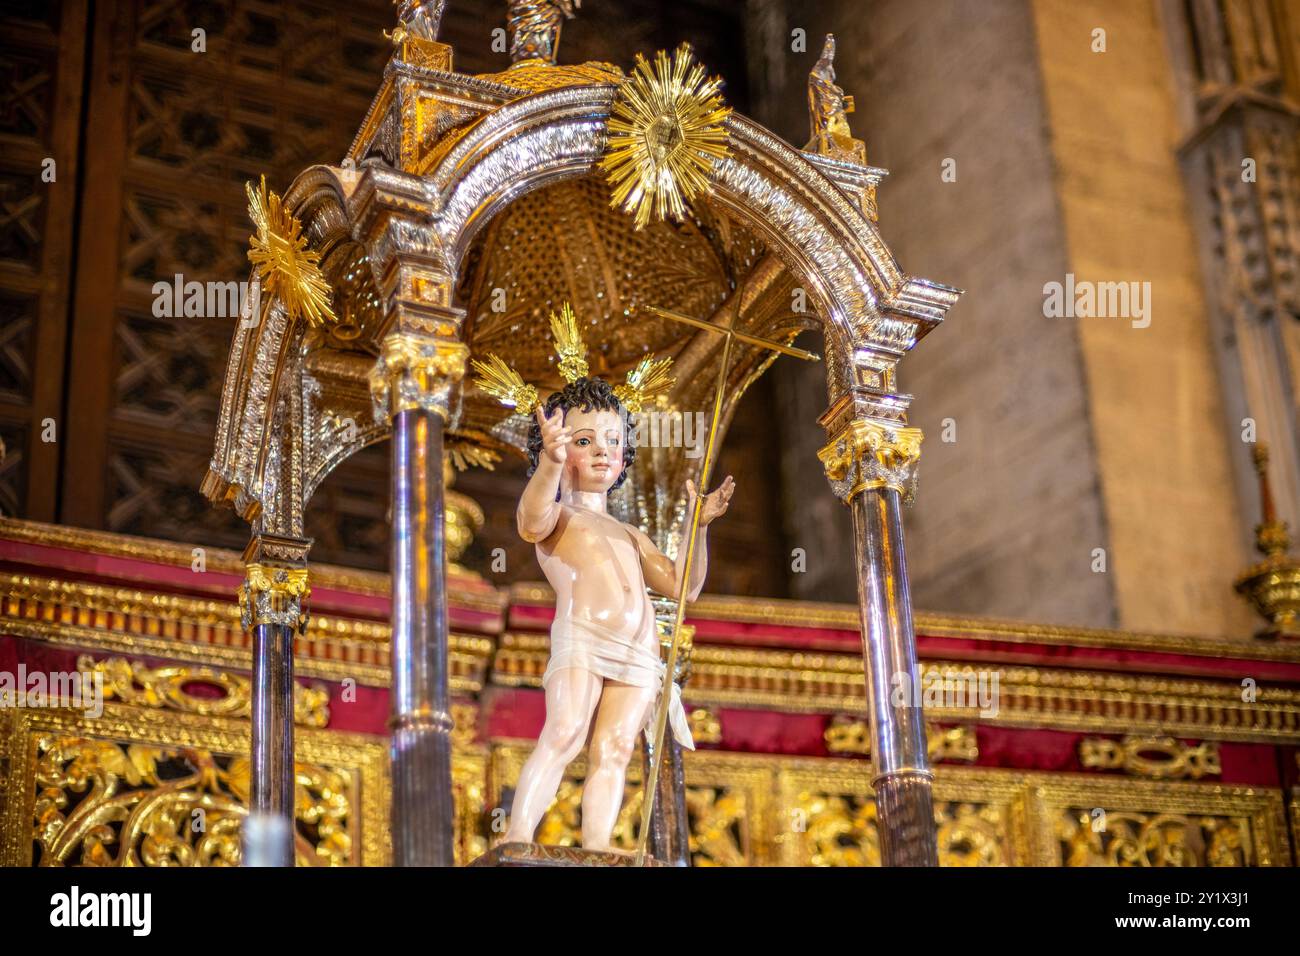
[605, 673]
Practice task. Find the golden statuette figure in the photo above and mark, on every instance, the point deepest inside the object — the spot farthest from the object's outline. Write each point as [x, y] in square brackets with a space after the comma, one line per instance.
[534, 27]
[828, 109]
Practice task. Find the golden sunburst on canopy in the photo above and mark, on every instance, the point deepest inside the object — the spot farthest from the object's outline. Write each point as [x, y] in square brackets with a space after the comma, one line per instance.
[665, 132]
[288, 270]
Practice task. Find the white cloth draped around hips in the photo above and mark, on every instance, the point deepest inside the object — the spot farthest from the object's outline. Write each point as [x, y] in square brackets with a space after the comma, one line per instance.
[577, 642]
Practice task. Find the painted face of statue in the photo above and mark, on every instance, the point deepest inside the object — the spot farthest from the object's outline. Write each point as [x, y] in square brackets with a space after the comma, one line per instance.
[595, 453]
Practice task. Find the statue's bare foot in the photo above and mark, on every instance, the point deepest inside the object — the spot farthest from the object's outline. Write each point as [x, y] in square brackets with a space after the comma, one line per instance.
[610, 849]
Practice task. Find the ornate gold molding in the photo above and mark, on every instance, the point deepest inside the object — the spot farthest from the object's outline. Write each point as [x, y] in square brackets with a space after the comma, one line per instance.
[867, 454]
[167, 688]
[1096, 701]
[127, 621]
[1133, 755]
[464, 589]
[414, 372]
[851, 735]
[755, 810]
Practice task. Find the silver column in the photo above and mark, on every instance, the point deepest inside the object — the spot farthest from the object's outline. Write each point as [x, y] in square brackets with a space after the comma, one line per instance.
[272, 604]
[272, 770]
[422, 811]
[413, 384]
[902, 776]
[870, 460]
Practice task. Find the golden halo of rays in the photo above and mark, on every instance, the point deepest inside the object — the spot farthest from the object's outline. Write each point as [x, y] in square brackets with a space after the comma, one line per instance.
[278, 251]
[505, 384]
[568, 344]
[664, 134]
[645, 383]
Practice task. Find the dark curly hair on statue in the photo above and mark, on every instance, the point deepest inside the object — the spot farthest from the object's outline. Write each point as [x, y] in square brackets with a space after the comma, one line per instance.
[587, 394]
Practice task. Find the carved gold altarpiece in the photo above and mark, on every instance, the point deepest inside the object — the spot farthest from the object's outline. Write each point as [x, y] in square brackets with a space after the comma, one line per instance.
[1150, 767]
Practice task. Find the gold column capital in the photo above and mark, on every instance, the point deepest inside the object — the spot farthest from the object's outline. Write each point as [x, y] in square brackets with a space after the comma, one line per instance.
[276, 584]
[865, 454]
[417, 372]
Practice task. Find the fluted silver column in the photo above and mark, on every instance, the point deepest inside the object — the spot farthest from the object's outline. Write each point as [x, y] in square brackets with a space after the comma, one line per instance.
[904, 807]
[272, 604]
[421, 721]
[870, 461]
[413, 384]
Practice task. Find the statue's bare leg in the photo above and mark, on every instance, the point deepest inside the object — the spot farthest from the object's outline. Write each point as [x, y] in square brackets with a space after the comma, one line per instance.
[571, 696]
[622, 714]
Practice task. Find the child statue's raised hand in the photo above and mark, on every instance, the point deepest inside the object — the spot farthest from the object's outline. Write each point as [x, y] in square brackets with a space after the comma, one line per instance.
[715, 503]
[555, 436]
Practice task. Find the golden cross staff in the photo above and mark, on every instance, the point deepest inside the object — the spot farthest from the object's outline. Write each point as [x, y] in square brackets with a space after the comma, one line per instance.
[661, 717]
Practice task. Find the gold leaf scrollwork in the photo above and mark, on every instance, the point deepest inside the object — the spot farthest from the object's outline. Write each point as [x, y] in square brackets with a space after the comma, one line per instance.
[414, 372]
[106, 803]
[1161, 758]
[273, 595]
[868, 454]
[171, 687]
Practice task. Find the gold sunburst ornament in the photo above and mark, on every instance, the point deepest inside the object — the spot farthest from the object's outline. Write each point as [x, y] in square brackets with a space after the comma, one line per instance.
[664, 134]
[288, 270]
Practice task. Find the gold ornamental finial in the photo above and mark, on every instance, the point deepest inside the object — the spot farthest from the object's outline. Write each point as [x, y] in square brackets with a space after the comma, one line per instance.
[1273, 585]
[665, 132]
[288, 270]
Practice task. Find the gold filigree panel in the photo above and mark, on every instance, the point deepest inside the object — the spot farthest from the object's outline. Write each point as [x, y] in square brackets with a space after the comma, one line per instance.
[141, 787]
[827, 817]
[1136, 823]
[753, 810]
